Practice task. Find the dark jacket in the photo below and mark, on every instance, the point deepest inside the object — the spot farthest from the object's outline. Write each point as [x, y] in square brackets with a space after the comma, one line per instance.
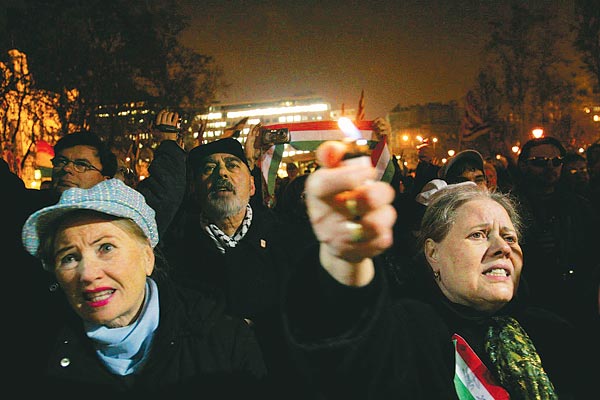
[249, 277]
[164, 189]
[560, 235]
[356, 343]
[197, 349]
[558, 342]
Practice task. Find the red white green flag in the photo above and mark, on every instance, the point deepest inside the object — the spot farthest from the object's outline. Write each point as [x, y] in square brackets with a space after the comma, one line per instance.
[307, 136]
[472, 379]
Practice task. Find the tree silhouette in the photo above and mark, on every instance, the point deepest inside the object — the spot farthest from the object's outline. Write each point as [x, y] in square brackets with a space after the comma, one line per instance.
[587, 40]
[102, 52]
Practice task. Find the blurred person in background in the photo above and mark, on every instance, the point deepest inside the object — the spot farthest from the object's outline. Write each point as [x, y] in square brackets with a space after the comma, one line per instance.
[592, 155]
[560, 232]
[574, 175]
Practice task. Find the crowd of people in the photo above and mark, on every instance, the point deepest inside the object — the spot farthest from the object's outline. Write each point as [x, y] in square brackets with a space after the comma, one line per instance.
[473, 282]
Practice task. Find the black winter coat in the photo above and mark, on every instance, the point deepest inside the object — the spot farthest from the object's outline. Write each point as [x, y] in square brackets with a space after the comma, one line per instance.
[562, 347]
[249, 277]
[355, 343]
[197, 352]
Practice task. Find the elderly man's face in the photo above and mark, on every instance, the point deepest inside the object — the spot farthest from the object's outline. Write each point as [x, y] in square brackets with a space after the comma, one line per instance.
[224, 185]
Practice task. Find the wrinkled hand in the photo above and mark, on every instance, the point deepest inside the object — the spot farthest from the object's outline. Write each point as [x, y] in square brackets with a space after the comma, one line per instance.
[381, 127]
[351, 214]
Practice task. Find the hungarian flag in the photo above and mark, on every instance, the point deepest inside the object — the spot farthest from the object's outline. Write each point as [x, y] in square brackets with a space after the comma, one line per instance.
[307, 136]
[472, 379]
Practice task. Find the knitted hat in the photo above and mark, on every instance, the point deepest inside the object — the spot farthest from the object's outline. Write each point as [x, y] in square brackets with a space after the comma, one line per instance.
[228, 145]
[112, 197]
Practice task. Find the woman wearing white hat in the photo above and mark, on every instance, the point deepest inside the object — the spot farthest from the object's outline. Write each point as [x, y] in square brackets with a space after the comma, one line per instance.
[128, 328]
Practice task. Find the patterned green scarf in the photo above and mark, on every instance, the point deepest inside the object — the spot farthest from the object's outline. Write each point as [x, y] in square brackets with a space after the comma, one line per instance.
[516, 362]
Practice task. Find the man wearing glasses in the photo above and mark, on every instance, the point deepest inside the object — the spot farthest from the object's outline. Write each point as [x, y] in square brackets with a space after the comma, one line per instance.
[81, 160]
[560, 233]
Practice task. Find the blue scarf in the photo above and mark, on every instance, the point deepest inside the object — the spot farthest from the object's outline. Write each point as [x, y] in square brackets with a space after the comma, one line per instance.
[124, 350]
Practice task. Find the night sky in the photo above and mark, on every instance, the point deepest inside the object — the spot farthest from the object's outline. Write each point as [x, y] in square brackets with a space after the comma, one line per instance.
[399, 51]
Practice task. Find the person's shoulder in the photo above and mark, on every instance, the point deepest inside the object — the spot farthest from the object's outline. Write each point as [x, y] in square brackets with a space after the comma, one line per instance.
[574, 202]
[539, 319]
[421, 315]
[205, 309]
[267, 218]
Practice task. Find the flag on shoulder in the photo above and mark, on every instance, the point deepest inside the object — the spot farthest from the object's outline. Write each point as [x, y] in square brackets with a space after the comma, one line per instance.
[472, 379]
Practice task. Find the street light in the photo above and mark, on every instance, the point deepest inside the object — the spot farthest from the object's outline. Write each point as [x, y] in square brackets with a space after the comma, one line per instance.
[537, 132]
[451, 152]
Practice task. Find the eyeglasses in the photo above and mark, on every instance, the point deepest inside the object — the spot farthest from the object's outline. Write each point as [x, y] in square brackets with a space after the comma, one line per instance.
[78, 165]
[541, 162]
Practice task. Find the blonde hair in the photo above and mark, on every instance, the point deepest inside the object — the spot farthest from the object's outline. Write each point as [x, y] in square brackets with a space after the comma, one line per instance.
[46, 251]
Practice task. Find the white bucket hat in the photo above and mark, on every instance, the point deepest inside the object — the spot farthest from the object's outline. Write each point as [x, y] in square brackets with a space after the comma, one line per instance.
[112, 197]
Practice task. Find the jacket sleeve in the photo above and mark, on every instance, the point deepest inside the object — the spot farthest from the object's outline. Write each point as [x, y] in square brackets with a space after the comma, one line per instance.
[164, 189]
[357, 343]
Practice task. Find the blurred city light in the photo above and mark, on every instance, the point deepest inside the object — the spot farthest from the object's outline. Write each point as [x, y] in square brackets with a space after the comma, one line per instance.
[537, 132]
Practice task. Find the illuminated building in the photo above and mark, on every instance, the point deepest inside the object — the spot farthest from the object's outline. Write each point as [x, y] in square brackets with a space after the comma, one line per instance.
[437, 122]
[296, 109]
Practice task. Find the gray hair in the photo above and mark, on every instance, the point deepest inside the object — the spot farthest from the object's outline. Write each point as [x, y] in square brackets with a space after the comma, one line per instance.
[441, 212]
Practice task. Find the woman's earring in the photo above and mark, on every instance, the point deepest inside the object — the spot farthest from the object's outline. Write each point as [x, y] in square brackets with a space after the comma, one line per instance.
[436, 275]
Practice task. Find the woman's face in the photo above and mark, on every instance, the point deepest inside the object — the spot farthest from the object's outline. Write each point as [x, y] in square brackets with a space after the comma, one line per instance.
[480, 260]
[102, 268]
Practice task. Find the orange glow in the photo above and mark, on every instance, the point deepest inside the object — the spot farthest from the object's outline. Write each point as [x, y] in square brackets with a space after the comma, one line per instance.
[537, 132]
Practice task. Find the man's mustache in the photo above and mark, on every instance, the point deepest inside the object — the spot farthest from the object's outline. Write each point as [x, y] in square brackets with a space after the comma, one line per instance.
[220, 184]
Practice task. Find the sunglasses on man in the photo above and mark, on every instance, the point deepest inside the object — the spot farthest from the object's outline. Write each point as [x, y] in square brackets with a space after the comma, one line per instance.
[542, 162]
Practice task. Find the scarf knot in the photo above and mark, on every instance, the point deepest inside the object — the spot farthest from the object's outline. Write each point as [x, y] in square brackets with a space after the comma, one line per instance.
[220, 238]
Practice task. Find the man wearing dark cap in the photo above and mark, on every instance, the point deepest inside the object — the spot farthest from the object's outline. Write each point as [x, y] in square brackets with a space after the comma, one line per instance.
[224, 185]
[229, 247]
[559, 237]
[466, 165]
